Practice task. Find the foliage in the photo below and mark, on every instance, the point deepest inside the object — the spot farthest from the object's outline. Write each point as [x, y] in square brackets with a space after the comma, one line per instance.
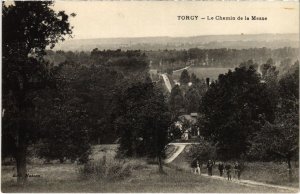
[174, 132]
[143, 121]
[35, 26]
[233, 108]
[203, 151]
[289, 89]
[184, 77]
[63, 127]
[220, 57]
[115, 170]
[249, 64]
[284, 144]
[194, 95]
[176, 101]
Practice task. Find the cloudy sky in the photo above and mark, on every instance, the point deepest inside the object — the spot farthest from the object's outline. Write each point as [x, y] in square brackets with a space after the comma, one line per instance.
[103, 19]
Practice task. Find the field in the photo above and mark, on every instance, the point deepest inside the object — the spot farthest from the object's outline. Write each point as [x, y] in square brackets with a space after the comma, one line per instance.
[265, 172]
[203, 72]
[66, 178]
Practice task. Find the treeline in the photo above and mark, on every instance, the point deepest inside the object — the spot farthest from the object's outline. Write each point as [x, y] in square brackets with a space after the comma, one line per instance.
[218, 57]
[97, 58]
[167, 60]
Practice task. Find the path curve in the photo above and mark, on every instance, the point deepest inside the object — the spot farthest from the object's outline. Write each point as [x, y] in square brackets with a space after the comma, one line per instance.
[179, 149]
[167, 82]
[182, 69]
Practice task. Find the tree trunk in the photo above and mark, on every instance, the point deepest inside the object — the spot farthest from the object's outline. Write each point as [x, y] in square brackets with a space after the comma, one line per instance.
[160, 165]
[21, 159]
[290, 169]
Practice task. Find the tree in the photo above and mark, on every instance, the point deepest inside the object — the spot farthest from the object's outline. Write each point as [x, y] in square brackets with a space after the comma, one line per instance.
[278, 140]
[203, 151]
[143, 122]
[270, 77]
[64, 120]
[194, 79]
[184, 77]
[267, 67]
[289, 89]
[175, 131]
[176, 101]
[284, 131]
[35, 26]
[194, 95]
[249, 64]
[233, 108]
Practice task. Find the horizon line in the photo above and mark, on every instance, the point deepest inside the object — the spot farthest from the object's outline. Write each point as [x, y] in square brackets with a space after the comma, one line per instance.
[166, 36]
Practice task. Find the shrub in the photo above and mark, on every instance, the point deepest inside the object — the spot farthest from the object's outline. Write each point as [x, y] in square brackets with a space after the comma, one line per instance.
[203, 152]
[114, 169]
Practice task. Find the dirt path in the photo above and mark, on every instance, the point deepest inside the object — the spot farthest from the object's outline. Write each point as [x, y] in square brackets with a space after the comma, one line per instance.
[167, 82]
[253, 183]
[179, 149]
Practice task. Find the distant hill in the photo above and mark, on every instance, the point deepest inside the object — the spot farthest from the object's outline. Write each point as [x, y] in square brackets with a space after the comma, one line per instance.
[208, 41]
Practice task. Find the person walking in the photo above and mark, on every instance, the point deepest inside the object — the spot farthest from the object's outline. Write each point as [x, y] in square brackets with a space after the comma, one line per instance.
[209, 167]
[228, 171]
[237, 170]
[193, 165]
[221, 168]
[197, 169]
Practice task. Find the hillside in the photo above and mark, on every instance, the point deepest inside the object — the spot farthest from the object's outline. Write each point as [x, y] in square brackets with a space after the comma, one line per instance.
[208, 41]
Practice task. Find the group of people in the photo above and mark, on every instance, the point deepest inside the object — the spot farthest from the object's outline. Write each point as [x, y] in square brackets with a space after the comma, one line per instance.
[228, 169]
[222, 167]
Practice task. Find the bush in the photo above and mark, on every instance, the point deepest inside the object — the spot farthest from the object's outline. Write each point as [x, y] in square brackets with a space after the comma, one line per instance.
[114, 169]
[203, 152]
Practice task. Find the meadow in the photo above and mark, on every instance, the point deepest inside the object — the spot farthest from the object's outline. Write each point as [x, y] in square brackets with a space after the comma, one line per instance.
[203, 72]
[266, 172]
[141, 177]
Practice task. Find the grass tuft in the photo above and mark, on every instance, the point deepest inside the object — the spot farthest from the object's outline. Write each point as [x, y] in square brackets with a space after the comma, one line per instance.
[113, 169]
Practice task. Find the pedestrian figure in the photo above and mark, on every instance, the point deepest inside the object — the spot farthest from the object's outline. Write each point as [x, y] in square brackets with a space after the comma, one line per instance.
[197, 169]
[237, 170]
[228, 171]
[221, 168]
[209, 167]
[194, 165]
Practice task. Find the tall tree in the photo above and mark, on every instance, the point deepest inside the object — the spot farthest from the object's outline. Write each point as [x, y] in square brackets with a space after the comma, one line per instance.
[194, 95]
[27, 29]
[176, 101]
[233, 107]
[278, 140]
[284, 144]
[143, 122]
[184, 77]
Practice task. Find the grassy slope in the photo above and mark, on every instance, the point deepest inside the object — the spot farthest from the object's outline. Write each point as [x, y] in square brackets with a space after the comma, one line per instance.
[144, 180]
[65, 178]
[267, 172]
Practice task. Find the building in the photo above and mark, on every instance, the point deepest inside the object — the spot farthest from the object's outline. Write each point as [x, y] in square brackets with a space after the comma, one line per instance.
[187, 123]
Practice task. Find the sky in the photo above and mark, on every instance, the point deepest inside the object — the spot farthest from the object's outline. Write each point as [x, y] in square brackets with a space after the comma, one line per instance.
[110, 19]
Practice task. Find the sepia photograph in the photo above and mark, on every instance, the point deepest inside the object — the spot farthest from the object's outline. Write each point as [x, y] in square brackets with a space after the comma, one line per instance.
[150, 96]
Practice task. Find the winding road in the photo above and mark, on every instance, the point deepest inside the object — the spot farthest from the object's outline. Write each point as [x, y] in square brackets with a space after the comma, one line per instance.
[167, 82]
